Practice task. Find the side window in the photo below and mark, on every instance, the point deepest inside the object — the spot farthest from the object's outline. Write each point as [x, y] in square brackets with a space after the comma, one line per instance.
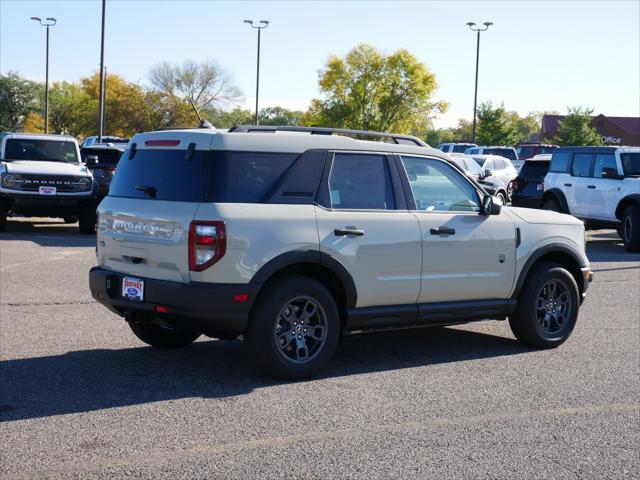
[560, 162]
[360, 182]
[603, 160]
[437, 187]
[581, 166]
[489, 165]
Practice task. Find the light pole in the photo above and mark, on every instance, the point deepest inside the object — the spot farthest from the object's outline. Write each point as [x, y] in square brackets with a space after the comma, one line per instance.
[473, 28]
[48, 22]
[258, 26]
[102, 78]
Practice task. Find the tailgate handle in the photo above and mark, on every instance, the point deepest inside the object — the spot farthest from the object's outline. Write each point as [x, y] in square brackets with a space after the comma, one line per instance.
[443, 231]
[348, 231]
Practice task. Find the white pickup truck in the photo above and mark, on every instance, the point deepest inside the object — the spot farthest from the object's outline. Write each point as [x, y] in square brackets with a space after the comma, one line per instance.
[43, 176]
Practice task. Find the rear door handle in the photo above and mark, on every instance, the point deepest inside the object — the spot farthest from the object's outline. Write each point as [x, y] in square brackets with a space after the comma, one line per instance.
[567, 185]
[443, 231]
[591, 186]
[345, 232]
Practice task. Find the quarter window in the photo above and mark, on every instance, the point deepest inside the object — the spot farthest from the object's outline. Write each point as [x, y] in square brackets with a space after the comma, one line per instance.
[360, 182]
[437, 187]
[603, 160]
[581, 165]
[560, 162]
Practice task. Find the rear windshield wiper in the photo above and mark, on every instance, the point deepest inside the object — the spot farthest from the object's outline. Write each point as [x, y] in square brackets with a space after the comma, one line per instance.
[148, 189]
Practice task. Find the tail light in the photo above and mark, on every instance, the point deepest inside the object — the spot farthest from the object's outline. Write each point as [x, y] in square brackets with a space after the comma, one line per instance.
[207, 244]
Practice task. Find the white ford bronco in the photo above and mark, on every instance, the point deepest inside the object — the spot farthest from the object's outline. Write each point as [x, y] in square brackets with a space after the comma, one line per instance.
[293, 236]
[600, 185]
[42, 176]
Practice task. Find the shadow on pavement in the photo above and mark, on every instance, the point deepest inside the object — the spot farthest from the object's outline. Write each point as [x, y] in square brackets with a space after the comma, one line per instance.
[90, 380]
[47, 233]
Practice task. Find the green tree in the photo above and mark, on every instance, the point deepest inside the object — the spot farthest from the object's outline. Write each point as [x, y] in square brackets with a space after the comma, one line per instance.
[495, 126]
[280, 116]
[229, 118]
[438, 136]
[71, 109]
[372, 91]
[575, 130]
[18, 98]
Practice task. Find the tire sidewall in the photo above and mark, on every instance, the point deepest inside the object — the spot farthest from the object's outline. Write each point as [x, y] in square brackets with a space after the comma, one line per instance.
[263, 321]
[631, 228]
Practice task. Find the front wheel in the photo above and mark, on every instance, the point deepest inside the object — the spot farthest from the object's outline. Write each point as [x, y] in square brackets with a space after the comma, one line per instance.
[162, 336]
[631, 228]
[3, 218]
[552, 204]
[548, 307]
[502, 196]
[294, 328]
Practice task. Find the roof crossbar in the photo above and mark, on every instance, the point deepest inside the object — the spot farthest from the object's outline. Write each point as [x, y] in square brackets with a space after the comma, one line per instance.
[397, 138]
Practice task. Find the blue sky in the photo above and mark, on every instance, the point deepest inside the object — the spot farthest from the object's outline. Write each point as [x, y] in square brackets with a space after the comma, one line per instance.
[538, 56]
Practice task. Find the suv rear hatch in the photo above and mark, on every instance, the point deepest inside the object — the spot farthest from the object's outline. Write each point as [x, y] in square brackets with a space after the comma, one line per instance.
[143, 225]
[530, 180]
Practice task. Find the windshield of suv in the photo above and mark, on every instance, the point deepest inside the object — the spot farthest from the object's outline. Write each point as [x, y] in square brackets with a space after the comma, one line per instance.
[461, 148]
[503, 152]
[105, 155]
[631, 163]
[42, 150]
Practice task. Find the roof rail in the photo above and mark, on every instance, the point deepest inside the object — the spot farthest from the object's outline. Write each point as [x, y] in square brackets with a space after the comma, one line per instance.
[399, 139]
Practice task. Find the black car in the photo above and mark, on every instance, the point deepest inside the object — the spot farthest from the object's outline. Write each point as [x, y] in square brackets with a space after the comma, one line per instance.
[528, 186]
[102, 159]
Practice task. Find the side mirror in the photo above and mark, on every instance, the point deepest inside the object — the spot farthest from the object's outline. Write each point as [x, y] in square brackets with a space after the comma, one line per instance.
[491, 205]
[488, 173]
[91, 160]
[612, 173]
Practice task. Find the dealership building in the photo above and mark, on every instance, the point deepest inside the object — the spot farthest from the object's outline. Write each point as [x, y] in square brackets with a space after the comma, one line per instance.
[612, 130]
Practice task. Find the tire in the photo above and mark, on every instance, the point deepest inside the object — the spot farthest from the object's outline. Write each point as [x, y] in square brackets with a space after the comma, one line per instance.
[537, 321]
[502, 196]
[87, 220]
[552, 204]
[70, 219]
[631, 228]
[162, 337]
[277, 338]
[3, 218]
[620, 232]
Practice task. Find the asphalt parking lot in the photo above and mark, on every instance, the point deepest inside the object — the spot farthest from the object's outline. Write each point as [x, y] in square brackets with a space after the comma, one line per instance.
[82, 398]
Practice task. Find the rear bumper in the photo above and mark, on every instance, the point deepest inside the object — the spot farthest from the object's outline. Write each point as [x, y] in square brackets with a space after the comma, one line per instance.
[208, 308]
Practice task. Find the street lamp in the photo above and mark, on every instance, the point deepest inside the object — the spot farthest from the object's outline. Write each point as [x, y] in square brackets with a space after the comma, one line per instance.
[48, 22]
[474, 28]
[257, 26]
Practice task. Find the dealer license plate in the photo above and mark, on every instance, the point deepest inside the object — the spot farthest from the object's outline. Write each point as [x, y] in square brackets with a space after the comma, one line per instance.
[47, 190]
[133, 288]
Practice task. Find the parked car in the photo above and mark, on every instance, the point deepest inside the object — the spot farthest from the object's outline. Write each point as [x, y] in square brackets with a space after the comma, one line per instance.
[507, 152]
[89, 141]
[102, 159]
[526, 151]
[600, 185]
[497, 168]
[42, 176]
[293, 240]
[455, 147]
[469, 166]
[528, 187]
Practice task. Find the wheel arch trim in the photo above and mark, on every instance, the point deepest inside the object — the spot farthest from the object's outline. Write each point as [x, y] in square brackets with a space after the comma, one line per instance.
[557, 194]
[314, 257]
[625, 202]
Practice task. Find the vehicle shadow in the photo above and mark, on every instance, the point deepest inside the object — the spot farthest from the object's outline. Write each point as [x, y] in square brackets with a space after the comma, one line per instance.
[47, 233]
[91, 380]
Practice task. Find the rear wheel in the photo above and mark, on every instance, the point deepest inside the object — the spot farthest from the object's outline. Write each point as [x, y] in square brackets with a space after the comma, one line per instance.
[548, 307]
[631, 228]
[294, 328]
[162, 336]
[552, 204]
[87, 220]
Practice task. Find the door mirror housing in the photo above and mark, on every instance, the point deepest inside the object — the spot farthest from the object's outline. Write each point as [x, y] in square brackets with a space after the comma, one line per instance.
[91, 160]
[612, 173]
[491, 205]
[488, 173]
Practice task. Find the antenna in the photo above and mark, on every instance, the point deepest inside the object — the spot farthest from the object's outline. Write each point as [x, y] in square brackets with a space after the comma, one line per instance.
[203, 123]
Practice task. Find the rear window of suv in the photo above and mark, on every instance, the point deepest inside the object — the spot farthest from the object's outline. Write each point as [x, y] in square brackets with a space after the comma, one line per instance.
[534, 169]
[216, 176]
[105, 155]
[503, 152]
